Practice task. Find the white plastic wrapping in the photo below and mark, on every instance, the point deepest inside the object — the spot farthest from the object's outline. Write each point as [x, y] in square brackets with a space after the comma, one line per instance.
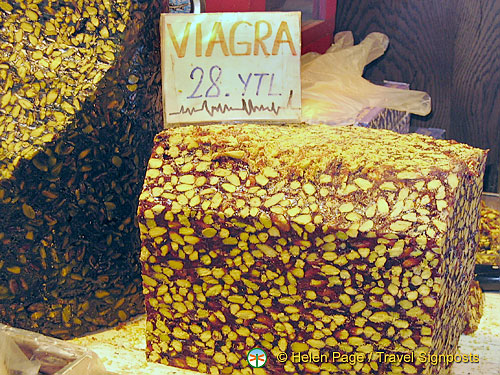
[334, 91]
[28, 353]
[13, 360]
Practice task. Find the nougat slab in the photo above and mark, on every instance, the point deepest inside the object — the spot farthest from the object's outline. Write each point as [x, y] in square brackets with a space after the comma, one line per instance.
[475, 308]
[307, 240]
[79, 106]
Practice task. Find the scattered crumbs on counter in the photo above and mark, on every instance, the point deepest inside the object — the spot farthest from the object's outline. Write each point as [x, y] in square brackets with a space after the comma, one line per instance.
[122, 350]
[485, 342]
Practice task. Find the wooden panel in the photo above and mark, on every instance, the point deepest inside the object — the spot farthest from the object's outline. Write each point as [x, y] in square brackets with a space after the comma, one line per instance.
[475, 98]
[448, 48]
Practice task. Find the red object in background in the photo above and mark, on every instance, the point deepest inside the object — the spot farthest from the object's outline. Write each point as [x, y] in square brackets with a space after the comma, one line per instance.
[317, 32]
[213, 6]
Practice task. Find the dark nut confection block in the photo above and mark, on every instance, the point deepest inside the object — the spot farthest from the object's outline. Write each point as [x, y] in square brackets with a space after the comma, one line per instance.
[79, 107]
[307, 239]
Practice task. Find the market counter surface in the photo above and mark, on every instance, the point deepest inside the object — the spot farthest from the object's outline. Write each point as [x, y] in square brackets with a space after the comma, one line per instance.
[122, 349]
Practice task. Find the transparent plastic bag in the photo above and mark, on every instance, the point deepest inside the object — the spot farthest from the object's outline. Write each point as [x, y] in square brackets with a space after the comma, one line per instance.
[334, 91]
[13, 360]
[48, 356]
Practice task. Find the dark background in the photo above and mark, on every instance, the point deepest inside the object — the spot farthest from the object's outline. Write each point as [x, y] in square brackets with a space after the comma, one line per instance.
[448, 48]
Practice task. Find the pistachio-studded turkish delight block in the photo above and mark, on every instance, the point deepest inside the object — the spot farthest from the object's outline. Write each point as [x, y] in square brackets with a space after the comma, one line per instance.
[315, 239]
[475, 308]
[79, 106]
[489, 233]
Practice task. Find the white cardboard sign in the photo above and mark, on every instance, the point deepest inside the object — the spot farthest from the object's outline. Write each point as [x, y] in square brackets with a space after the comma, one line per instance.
[230, 66]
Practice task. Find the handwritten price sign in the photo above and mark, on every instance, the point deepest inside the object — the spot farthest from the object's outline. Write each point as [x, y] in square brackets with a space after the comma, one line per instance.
[231, 66]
